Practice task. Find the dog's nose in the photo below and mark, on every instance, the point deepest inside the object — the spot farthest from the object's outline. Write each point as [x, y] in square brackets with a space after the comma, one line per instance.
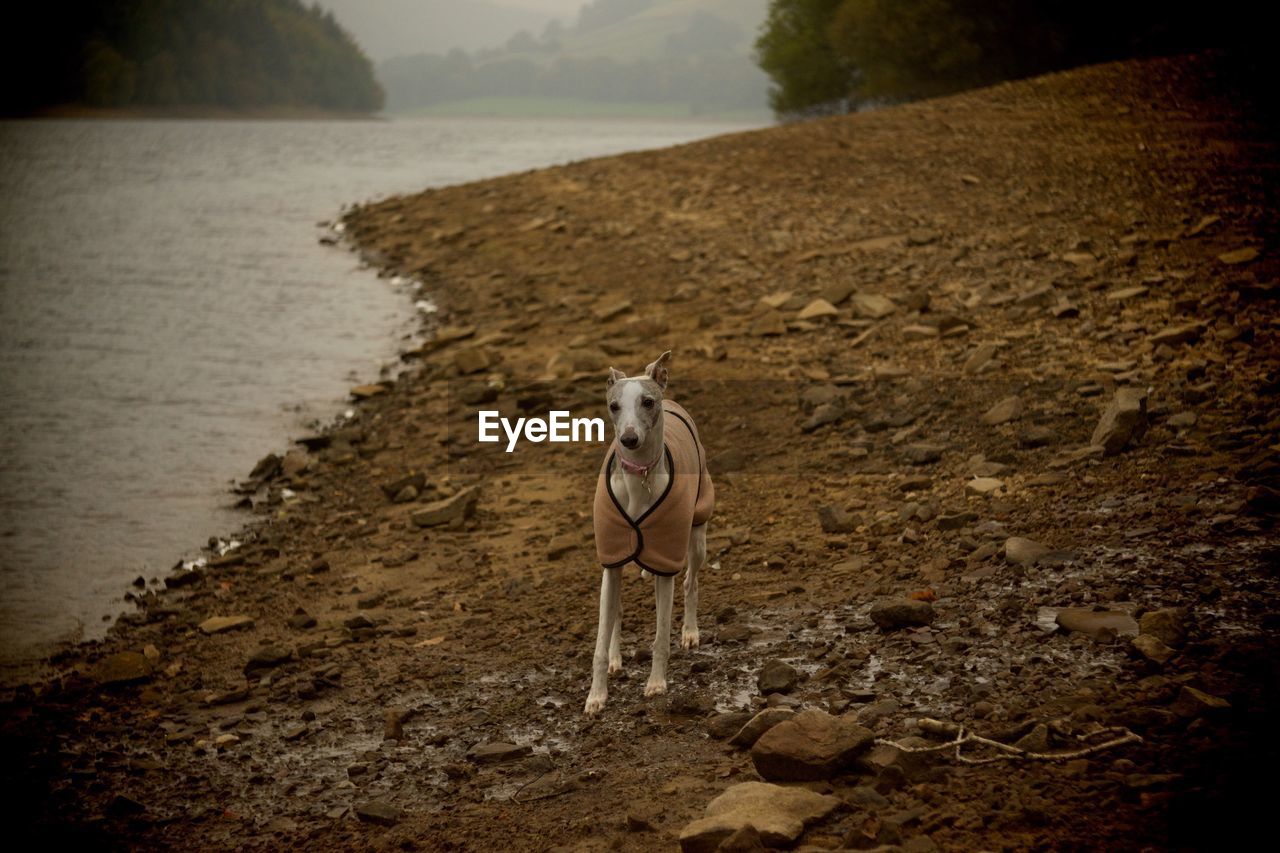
[630, 441]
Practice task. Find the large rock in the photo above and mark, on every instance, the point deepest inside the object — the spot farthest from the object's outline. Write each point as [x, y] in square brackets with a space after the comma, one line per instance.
[894, 613]
[453, 509]
[1196, 703]
[1123, 420]
[754, 728]
[811, 745]
[777, 677]
[121, 668]
[1099, 625]
[778, 814]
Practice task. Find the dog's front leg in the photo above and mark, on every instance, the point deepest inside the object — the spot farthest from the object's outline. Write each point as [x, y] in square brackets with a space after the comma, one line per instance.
[689, 637]
[610, 604]
[664, 591]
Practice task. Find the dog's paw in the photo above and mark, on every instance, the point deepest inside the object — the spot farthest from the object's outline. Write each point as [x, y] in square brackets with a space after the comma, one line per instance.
[595, 704]
[689, 638]
[655, 688]
[615, 666]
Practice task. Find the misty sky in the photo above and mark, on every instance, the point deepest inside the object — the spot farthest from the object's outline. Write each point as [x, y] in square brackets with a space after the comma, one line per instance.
[387, 28]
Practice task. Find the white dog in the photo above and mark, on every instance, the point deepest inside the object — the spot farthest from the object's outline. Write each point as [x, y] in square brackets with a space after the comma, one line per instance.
[652, 503]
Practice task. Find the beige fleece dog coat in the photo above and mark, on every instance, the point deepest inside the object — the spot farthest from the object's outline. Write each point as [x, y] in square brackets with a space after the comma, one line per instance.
[658, 541]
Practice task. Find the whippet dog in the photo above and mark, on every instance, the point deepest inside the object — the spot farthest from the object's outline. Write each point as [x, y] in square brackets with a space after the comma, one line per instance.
[653, 500]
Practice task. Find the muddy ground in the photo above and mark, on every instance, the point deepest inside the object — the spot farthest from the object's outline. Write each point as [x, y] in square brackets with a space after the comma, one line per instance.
[1107, 233]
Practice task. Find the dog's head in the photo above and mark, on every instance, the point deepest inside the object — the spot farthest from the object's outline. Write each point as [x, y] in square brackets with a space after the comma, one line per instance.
[635, 402]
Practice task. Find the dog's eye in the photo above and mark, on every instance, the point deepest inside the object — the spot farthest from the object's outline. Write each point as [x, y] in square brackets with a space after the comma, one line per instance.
[614, 407]
[648, 402]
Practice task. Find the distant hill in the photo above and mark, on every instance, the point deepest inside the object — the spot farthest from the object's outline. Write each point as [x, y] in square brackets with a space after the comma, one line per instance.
[387, 28]
[695, 55]
[223, 54]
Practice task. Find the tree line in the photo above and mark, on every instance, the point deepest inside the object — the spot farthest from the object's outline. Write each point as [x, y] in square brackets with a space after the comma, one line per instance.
[236, 54]
[838, 54]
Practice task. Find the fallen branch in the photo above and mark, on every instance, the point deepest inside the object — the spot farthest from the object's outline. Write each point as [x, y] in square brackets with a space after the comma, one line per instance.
[960, 737]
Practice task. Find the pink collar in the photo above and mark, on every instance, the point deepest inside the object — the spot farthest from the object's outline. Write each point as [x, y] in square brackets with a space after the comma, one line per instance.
[639, 470]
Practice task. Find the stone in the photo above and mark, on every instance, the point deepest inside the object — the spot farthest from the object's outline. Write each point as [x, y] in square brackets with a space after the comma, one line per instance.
[1124, 419]
[921, 237]
[496, 752]
[980, 357]
[1192, 702]
[922, 453]
[817, 309]
[393, 720]
[1152, 648]
[768, 324]
[1239, 256]
[777, 677]
[725, 726]
[380, 812]
[472, 359]
[183, 577]
[220, 624]
[364, 392]
[894, 613]
[1098, 625]
[1036, 436]
[301, 620]
[456, 508]
[812, 745]
[917, 332]
[1124, 294]
[561, 545]
[295, 462]
[983, 486]
[872, 306]
[1024, 552]
[827, 413]
[121, 668]
[751, 731]
[835, 520]
[956, 520]
[1167, 625]
[394, 487]
[777, 813]
[1008, 409]
[267, 657]
[1175, 335]
[610, 309]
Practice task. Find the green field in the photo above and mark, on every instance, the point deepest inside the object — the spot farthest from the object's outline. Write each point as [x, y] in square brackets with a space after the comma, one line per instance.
[518, 107]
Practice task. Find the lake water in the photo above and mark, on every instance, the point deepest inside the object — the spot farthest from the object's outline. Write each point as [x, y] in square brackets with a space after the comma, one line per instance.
[167, 317]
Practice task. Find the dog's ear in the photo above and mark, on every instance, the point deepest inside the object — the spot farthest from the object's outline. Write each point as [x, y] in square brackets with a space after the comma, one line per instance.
[614, 376]
[658, 370]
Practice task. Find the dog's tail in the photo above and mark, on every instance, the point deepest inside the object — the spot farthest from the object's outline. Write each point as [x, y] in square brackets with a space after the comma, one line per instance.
[646, 575]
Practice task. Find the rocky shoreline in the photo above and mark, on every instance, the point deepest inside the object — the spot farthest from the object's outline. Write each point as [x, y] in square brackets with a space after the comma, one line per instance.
[988, 384]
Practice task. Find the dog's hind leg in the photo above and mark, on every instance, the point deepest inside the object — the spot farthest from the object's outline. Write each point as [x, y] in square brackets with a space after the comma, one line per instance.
[697, 559]
[664, 592]
[610, 604]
